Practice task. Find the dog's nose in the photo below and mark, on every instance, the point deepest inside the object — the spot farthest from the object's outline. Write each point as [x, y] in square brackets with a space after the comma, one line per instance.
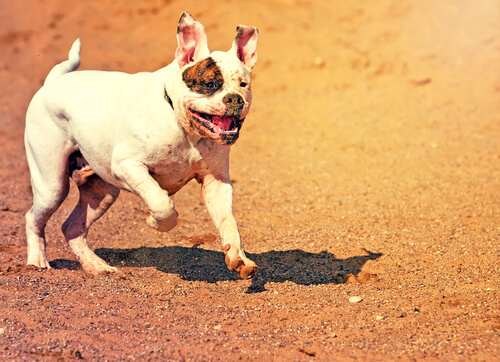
[234, 104]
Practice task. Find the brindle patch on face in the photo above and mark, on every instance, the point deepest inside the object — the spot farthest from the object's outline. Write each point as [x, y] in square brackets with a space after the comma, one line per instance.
[204, 77]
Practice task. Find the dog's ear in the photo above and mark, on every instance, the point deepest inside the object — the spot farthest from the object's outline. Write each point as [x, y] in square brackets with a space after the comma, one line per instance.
[245, 45]
[191, 41]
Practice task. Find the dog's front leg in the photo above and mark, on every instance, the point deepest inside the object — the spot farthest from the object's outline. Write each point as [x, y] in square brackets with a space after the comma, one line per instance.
[136, 178]
[218, 197]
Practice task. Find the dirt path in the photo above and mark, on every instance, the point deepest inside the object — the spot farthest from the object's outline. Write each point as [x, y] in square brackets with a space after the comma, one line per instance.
[369, 167]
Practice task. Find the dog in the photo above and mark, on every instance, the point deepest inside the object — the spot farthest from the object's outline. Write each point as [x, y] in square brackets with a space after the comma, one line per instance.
[146, 133]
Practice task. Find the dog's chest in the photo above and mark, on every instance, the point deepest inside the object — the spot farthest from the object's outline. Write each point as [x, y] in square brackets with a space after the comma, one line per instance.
[175, 167]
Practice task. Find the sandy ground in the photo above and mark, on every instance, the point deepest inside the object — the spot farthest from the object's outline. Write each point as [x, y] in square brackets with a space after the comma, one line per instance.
[369, 167]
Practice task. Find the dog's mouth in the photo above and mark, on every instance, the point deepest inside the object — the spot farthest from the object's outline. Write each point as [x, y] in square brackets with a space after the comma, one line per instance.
[223, 129]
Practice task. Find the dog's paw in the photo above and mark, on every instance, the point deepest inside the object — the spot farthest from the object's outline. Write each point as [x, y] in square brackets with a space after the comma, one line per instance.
[163, 225]
[97, 266]
[245, 267]
[101, 270]
[38, 260]
[43, 265]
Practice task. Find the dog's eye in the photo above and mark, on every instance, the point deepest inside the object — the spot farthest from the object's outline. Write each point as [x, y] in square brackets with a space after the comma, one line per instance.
[210, 85]
[243, 84]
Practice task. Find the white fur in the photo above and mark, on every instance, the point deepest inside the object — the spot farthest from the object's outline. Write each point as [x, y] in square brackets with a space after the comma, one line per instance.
[134, 140]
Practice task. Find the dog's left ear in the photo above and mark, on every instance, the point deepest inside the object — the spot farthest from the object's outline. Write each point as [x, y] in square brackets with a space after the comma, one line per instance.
[245, 45]
[191, 40]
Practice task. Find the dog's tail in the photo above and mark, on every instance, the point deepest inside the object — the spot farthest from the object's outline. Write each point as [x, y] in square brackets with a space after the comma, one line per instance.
[67, 66]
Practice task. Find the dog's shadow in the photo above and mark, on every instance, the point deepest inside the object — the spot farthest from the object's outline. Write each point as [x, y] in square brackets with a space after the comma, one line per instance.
[196, 264]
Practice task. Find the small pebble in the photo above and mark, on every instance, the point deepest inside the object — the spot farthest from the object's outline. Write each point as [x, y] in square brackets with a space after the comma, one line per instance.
[2, 331]
[355, 299]
[379, 317]
[319, 62]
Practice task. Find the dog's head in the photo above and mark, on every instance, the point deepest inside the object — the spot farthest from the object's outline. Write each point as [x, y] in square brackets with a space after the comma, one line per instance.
[214, 95]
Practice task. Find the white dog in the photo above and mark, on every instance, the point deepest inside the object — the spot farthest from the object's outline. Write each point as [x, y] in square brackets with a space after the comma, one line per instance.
[147, 133]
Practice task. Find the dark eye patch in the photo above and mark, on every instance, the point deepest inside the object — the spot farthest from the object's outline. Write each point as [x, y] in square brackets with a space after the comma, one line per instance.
[204, 77]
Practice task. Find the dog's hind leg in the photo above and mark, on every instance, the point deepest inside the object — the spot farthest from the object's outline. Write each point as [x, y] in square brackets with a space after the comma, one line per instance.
[96, 197]
[48, 162]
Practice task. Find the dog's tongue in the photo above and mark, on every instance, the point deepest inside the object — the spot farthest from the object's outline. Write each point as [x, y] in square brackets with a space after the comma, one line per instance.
[223, 122]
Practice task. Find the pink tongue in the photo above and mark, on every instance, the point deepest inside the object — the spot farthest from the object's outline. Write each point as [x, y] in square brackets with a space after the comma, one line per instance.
[223, 122]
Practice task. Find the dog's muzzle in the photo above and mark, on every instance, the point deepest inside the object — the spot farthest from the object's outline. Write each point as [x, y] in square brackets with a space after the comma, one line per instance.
[224, 129]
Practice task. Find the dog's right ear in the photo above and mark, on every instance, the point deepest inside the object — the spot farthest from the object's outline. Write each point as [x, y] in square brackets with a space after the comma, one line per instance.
[192, 42]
